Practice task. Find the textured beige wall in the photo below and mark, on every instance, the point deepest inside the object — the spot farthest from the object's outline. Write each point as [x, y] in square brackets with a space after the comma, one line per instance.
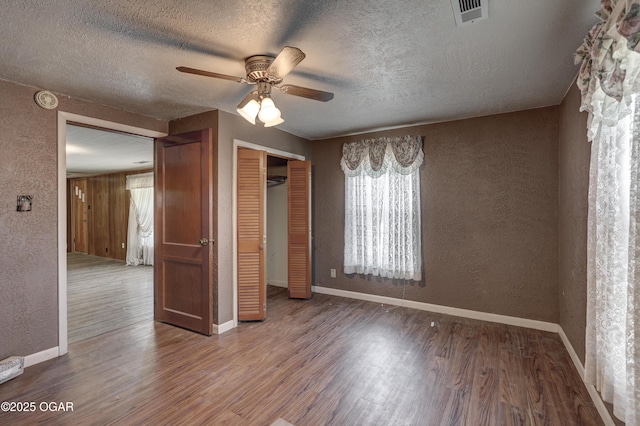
[29, 241]
[235, 127]
[194, 122]
[277, 234]
[573, 194]
[489, 215]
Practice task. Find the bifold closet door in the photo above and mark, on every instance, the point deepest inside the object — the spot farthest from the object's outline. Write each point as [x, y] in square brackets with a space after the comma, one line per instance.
[299, 206]
[252, 237]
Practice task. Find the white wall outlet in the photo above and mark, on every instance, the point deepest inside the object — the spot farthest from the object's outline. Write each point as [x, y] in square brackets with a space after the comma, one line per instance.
[122, 245]
[333, 273]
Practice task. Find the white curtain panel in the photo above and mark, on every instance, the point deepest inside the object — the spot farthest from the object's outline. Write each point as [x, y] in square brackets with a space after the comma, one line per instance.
[609, 81]
[382, 208]
[140, 230]
[612, 361]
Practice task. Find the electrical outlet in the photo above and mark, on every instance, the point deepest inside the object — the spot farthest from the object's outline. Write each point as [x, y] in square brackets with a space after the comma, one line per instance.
[333, 273]
[122, 245]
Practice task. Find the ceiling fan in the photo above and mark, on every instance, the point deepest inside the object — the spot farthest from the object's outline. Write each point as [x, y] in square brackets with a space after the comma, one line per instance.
[267, 72]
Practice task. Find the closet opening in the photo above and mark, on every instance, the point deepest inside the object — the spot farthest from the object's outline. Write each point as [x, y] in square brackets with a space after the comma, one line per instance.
[277, 222]
[272, 228]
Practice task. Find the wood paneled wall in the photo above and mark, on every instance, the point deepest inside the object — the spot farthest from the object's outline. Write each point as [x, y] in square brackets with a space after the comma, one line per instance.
[108, 213]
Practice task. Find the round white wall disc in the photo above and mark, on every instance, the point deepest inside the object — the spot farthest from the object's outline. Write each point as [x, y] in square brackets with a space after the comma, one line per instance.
[46, 99]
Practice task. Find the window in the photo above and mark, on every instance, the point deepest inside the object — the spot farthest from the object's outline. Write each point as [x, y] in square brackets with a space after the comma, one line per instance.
[140, 230]
[382, 207]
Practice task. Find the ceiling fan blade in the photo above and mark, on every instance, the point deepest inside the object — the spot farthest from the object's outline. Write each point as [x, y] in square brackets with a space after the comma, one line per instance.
[305, 92]
[211, 74]
[286, 60]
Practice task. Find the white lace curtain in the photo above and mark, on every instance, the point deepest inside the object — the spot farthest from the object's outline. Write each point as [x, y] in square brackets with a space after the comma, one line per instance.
[382, 207]
[610, 83]
[140, 230]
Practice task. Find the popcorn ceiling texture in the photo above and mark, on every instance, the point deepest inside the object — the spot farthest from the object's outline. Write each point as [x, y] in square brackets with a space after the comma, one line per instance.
[390, 63]
[489, 215]
[28, 241]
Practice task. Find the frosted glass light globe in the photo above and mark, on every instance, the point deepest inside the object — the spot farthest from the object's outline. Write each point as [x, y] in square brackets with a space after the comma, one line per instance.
[268, 111]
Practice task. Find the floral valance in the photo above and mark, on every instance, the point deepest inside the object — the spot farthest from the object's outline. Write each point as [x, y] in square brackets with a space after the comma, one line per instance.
[375, 156]
[610, 63]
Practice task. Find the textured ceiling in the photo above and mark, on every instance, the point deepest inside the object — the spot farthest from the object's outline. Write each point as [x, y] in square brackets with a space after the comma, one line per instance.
[94, 152]
[389, 63]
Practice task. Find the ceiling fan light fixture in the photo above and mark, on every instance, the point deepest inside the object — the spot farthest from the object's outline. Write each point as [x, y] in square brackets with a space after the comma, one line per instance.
[268, 111]
[275, 122]
[249, 107]
[266, 72]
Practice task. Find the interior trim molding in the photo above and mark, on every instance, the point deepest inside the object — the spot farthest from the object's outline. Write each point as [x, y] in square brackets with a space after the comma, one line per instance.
[224, 327]
[41, 356]
[458, 312]
[595, 396]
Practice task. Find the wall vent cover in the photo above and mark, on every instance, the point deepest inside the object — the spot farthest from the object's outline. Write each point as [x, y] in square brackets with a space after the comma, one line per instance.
[46, 99]
[469, 11]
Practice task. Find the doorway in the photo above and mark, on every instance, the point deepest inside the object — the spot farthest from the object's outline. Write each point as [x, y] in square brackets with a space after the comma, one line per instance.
[277, 221]
[105, 169]
[65, 118]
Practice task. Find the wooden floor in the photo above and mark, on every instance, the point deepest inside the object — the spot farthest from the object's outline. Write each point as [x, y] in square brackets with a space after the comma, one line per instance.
[328, 360]
[105, 295]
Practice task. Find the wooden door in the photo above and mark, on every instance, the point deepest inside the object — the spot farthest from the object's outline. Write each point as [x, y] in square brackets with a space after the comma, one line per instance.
[251, 201]
[299, 206]
[80, 215]
[183, 266]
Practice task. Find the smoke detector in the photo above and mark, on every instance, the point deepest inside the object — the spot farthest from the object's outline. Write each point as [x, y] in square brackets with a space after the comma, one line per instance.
[46, 99]
[469, 11]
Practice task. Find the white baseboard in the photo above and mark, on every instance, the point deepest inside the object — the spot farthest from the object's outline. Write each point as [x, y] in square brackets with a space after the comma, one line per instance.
[458, 312]
[219, 329]
[595, 396]
[41, 356]
[278, 283]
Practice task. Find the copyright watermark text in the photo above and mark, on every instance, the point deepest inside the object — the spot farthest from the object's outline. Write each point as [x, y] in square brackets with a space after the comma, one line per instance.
[21, 407]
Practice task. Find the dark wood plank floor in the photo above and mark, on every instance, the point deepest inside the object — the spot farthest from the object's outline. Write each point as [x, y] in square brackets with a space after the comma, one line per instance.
[105, 295]
[327, 360]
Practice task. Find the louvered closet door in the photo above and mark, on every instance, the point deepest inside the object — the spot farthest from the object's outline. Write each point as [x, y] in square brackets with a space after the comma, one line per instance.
[252, 282]
[299, 180]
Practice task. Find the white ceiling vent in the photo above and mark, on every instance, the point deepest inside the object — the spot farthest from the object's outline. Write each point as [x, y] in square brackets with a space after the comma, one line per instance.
[468, 11]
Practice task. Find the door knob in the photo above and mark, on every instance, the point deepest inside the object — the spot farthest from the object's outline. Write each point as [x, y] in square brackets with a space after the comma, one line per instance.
[203, 241]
